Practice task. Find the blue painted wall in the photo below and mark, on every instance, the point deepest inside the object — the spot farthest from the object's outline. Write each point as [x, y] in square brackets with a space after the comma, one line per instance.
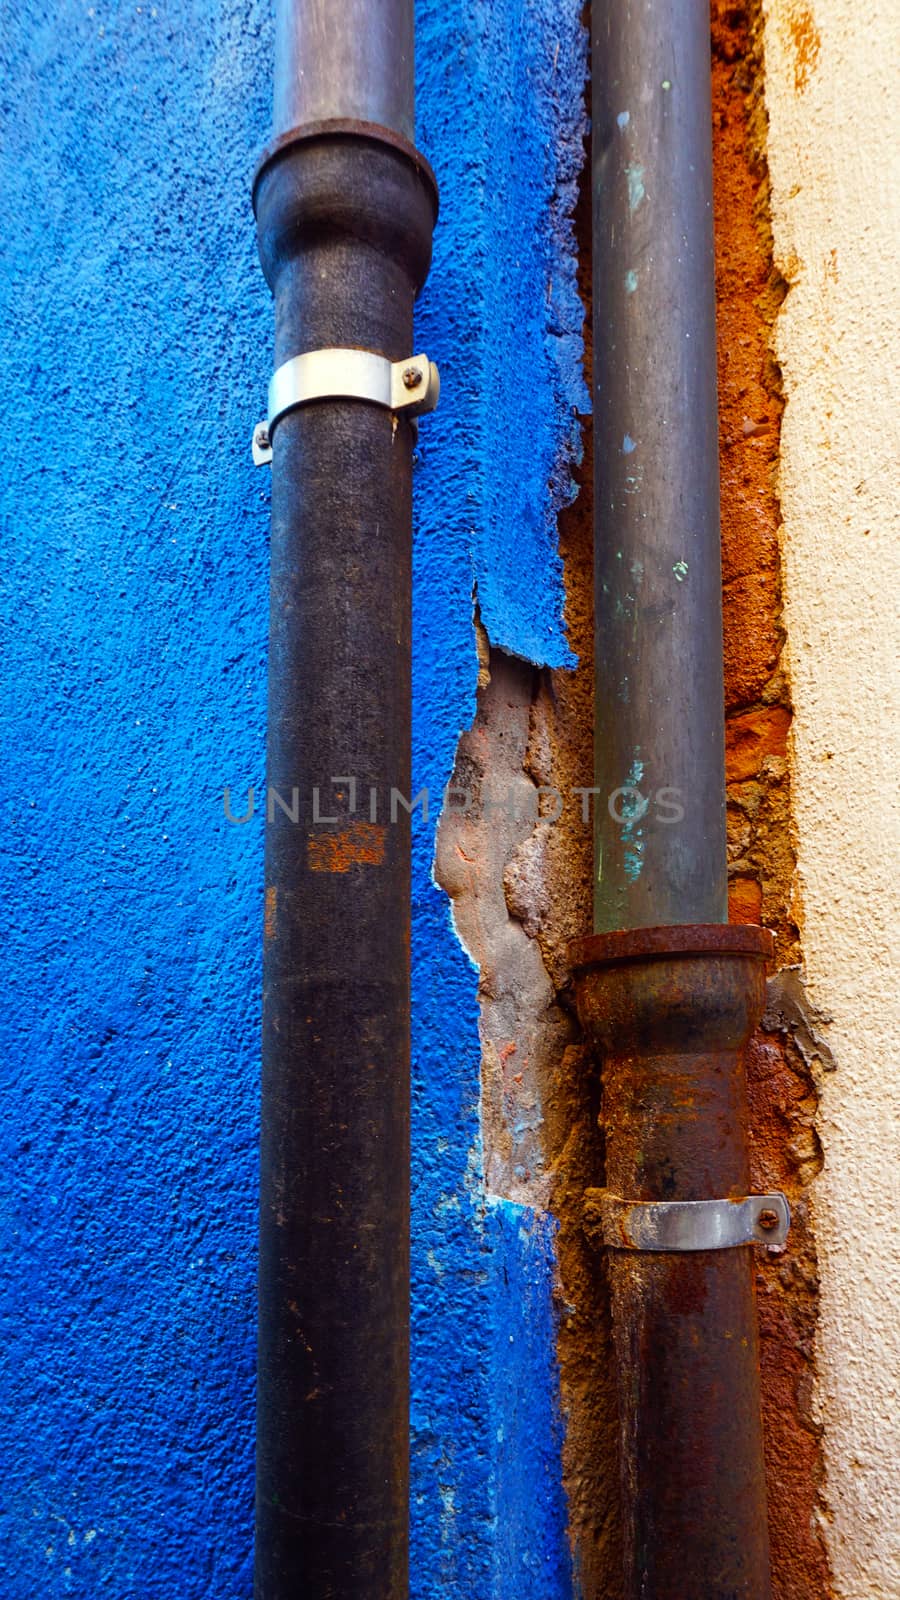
[137, 333]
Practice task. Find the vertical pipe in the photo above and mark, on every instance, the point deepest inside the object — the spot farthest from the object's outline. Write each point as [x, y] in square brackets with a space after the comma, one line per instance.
[353, 61]
[345, 211]
[659, 704]
[667, 993]
[670, 1011]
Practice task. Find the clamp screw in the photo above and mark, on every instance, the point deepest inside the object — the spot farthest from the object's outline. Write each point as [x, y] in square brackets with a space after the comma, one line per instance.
[262, 436]
[768, 1220]
[412, 377]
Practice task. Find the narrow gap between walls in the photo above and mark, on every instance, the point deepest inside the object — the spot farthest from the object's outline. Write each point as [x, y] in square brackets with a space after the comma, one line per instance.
[521, 888]
[783, 1059]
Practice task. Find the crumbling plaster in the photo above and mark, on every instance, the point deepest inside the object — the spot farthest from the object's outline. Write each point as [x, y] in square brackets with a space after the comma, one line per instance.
[834, 136]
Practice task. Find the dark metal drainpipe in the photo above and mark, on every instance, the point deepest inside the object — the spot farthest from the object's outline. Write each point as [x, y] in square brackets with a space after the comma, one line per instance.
[667, 991]
[345, 209]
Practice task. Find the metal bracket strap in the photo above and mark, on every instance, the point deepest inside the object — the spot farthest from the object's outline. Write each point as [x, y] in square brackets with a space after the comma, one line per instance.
[410, 387]
[658, 1225]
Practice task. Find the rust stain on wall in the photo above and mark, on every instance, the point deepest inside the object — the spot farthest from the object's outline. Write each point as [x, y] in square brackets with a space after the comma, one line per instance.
[806, 42]
[360, 845]
[563, 716]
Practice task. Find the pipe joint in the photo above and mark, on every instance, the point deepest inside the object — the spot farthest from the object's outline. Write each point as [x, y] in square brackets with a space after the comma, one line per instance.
[345, 185]
[671, 991]
[669, 1010]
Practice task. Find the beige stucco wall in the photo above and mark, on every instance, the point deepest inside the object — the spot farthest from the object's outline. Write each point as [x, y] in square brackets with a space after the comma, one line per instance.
[833, 93]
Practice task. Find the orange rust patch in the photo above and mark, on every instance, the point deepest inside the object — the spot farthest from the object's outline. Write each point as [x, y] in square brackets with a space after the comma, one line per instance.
[753, 735]
[749, 293]
[744, 900]
[751, 634]
[271, 908]
[360, 845]
[807, 42]
[785, 1154]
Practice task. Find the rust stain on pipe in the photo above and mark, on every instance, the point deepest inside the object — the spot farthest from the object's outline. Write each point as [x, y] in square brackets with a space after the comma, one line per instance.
[270, 912]
[360, 845]
[668, 1008]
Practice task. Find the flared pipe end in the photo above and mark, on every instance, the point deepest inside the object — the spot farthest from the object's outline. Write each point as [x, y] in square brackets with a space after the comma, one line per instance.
[689, 988]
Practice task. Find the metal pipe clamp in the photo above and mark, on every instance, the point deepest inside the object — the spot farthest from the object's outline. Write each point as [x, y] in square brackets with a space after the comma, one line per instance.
[658, 1225]
[410, 387]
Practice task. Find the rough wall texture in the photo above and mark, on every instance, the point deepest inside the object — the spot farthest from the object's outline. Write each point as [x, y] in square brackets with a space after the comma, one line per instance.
[137, 339]
[501, 116]
[834, 135]
[523, 889]
[134, 624]
[520, 880]
[563, 716]
[135, 335]
[530, 881]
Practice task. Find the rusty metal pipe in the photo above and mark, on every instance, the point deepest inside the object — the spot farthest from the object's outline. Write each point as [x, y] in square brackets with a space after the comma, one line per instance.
[670, 1011]
[345, 210]
[667, 992]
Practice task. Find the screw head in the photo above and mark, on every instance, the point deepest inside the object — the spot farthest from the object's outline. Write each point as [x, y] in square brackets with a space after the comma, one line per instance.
[262, 436]
[412, 377]
[768, 1220]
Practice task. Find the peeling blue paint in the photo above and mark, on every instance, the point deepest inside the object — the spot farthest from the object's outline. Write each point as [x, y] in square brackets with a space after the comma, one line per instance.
[501, 117]
[138, 340]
